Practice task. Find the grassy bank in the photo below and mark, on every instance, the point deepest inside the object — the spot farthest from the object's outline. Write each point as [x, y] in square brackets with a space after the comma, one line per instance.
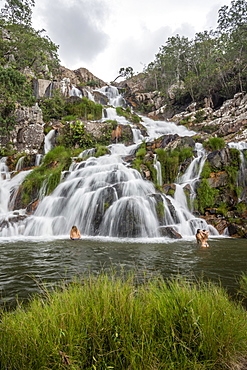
[106, 322]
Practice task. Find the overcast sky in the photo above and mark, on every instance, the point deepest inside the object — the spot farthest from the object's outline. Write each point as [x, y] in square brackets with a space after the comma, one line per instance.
[105, 35]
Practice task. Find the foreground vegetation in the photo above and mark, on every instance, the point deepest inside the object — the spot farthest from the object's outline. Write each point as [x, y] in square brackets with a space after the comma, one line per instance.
[110, 322]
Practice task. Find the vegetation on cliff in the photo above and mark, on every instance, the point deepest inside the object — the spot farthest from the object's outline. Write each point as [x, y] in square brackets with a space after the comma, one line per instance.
[212, 65]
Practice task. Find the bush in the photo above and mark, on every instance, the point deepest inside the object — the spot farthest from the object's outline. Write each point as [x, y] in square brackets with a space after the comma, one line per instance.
[48, 174]
[214, 143]
[84, 108]
[205, 196]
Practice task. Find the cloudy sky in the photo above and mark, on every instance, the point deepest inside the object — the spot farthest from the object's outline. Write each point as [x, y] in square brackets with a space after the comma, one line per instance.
[105, 35]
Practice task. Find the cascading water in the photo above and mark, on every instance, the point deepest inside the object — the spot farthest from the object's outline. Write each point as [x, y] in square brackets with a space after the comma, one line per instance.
[191, 176]
[242, 174]
[105, 197]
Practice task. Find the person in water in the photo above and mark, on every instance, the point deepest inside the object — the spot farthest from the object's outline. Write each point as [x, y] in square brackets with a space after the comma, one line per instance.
[202, 237]
[75, 233]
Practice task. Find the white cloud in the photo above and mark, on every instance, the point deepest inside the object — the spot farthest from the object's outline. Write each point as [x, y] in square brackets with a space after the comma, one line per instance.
[105, 35]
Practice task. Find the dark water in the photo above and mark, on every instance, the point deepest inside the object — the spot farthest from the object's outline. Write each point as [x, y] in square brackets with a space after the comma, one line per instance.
[27, 264]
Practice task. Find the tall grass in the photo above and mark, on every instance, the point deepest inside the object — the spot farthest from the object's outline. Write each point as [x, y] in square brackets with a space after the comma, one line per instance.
[108, 322]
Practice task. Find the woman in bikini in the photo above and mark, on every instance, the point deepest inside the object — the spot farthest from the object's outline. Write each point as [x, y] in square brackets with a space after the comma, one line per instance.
[202, 237]
[75, 233]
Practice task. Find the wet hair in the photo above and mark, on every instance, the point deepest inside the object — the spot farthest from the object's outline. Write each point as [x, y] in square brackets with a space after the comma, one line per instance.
[74, 227]
[198, 230]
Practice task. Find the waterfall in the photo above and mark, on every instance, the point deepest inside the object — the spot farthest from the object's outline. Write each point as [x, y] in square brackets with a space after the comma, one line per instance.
[157, 166]
[4, 170]
[49, 140]
[105, 197]
[242, 174]
[20, 163]
[115, 99]
[191, 176]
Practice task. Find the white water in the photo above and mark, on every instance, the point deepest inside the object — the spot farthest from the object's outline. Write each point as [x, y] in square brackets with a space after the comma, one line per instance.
[49, 140]
[242, 175]
[104, 197]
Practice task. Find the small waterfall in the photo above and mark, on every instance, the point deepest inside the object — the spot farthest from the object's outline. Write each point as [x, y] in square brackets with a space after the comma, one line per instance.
[115, 99]
[74, 91]
[20, 164]
[38, 159]
[242, 174]
[4, 170]
[49, 140]
[191, 176]
[157, 166]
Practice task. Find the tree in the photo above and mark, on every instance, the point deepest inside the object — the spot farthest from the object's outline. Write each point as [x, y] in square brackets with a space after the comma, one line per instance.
[125, 72]
[232, 25]
[18, 11]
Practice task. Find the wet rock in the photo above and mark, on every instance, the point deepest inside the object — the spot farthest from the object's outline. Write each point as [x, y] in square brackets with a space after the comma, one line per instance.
[218, 159]
[169, 232]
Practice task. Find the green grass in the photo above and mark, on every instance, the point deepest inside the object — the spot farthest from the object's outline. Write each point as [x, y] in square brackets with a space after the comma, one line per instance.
[109, 322]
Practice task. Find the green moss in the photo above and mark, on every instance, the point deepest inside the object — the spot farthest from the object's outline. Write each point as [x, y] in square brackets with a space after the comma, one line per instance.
[160, 209]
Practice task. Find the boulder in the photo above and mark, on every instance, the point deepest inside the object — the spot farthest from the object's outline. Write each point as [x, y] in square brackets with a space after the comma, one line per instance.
[169, 232]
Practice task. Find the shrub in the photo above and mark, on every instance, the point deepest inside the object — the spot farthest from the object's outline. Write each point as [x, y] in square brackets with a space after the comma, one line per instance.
[84, 108]
[49, 172]
[214, 143]
[205, 196]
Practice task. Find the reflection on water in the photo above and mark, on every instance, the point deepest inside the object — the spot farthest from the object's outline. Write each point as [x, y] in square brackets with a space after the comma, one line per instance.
[26, 264]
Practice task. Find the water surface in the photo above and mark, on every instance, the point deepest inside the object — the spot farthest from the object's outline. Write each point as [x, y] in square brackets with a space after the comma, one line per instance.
[28, 264]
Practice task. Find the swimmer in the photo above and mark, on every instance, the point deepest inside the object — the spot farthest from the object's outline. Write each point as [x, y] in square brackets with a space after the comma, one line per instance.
[75, 233]
[202, 237]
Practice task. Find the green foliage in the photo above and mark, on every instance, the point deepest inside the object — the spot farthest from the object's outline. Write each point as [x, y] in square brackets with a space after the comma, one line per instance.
[205, 196]
[110, 322]
[131, 117]
[212, 61]
[235, 157]
[125, 72]
[222, 209]
[73, 134]
[101, 150]
[48, 174]
[54, 107]
[29, 48]
[199, 116]
[84, 109]
[214, 143]
[206, 171]
[18, 11]
[170, 161]
[241, 207]
[14, 88]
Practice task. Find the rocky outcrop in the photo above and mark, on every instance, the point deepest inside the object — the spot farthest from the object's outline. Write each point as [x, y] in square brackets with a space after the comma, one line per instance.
[229, 121]
[28, 133]
[69, 83]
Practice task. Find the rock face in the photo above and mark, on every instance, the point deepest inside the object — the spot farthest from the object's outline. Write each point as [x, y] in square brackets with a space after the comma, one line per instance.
[28, 134]
[69, 83]
[229, 121]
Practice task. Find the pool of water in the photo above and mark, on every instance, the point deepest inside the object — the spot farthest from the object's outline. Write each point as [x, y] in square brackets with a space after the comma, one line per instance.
[27, 265]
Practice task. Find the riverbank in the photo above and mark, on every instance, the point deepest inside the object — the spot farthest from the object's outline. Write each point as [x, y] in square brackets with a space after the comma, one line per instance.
[110, 322]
